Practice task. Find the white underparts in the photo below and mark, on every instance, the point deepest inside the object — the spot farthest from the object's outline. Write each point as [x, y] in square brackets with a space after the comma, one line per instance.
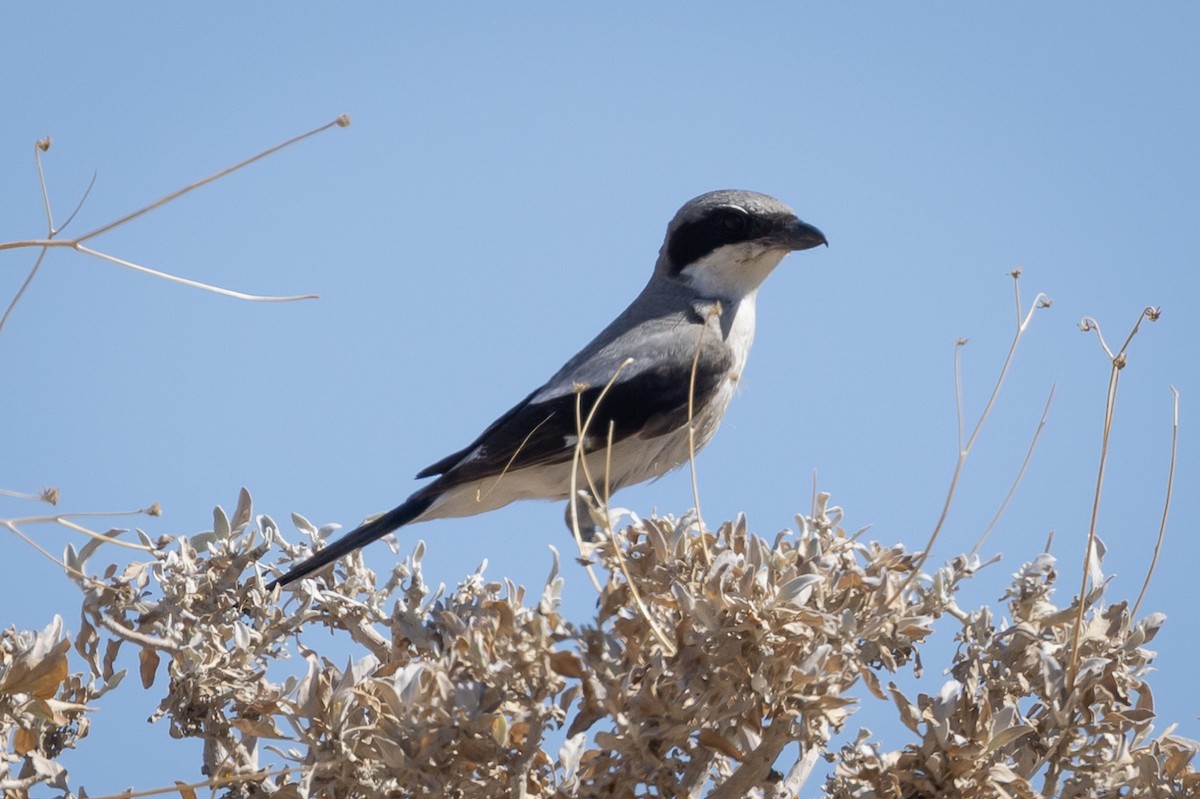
[632, 460]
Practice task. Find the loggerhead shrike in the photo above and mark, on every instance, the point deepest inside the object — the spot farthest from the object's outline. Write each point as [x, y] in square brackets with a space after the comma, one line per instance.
[695, 314]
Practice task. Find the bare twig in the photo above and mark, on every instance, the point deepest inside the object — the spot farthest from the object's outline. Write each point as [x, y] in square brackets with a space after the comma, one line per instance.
[714, 311]
[342, 121]
[13, 527]
[79, 205]
[37, 264]
[573, 501]
[580, 458]
[667, 645]
[126, 633]
[237, 295]
[1162, 526]
[582, 427]
[1118, 362]
[1039, 301]
[79, 528]
[49, 495]
[959, 412]
[64, 519]
[39, 147]
[1020, 474]
[482, 494]
[77, 244]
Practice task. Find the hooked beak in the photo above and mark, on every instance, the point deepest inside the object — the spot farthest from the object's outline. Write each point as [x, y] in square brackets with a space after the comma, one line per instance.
[797, 235]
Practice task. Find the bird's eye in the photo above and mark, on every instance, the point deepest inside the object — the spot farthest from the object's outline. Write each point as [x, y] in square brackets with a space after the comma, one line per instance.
[714, 228]
[735, 220]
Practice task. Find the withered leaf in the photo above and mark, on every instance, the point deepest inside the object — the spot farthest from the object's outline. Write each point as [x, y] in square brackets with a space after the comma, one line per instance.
[567, 664]
[718, 743]
[148, 660]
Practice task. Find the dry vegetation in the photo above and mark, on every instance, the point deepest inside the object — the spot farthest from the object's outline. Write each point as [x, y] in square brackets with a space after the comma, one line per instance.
[726, 678]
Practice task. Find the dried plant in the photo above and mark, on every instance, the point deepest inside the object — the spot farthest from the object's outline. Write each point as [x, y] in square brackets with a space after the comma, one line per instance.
[459, 693]
[1008, 724]
[54, 240]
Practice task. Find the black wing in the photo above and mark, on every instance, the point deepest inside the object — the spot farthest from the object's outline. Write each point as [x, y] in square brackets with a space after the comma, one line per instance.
[650, 402]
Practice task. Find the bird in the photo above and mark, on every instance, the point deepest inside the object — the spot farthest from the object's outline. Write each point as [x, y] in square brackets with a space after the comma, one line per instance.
[672, 359]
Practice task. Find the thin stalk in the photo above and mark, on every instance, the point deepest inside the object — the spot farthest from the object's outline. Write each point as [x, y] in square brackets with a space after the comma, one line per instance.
[237, 295]
[715, 311]
[37, 264]
[1118, 362]
[572, 504]
[77, 244]
[342, 121]
[1020, 474]
[1162, 525]
[579, 458]
[1040, 301]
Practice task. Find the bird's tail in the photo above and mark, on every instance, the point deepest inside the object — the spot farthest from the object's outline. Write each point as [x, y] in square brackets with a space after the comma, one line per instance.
[378, 527]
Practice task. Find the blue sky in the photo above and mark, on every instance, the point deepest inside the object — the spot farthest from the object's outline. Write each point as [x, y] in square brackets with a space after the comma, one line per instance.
[502, 193]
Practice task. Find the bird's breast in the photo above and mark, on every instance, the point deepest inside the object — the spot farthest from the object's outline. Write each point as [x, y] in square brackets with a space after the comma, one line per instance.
[739, 334]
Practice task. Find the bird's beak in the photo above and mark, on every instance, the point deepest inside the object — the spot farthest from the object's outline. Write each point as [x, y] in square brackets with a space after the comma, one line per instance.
[797, 235]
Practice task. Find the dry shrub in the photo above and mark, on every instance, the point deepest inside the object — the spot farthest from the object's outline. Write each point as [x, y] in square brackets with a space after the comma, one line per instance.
[1007, 723]
[707, 657]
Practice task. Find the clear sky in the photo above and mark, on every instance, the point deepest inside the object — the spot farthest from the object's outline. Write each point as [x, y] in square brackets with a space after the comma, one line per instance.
[502, 193]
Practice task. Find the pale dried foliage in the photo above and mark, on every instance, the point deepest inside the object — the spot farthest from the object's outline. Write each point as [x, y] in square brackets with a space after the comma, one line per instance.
[1009, 725]
[728, 679]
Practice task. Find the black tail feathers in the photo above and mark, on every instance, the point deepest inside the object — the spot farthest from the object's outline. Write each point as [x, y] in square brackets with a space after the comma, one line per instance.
[362, 535]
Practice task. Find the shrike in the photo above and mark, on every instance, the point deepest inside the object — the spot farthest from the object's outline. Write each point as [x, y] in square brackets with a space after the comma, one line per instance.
[686, 336]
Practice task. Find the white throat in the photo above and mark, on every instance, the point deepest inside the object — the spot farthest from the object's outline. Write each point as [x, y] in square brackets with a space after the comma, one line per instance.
[732, 272]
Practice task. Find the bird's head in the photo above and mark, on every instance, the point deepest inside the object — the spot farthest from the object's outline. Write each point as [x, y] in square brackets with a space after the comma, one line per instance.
[725, 243]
